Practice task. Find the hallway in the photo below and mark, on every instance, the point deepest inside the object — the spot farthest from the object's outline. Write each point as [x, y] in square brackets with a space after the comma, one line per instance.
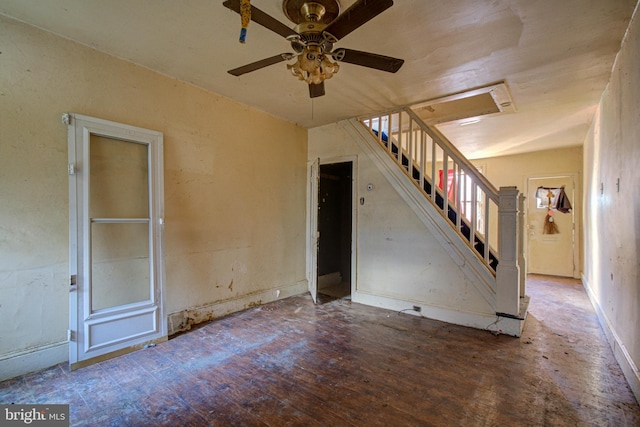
[344, 364]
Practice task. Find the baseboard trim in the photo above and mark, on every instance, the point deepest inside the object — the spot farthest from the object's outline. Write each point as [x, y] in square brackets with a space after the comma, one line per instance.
[629, 368]
[184, 320]
[33, 359]
[484, 321]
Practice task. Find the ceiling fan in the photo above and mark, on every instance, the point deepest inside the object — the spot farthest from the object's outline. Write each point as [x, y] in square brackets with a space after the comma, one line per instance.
[319, 25]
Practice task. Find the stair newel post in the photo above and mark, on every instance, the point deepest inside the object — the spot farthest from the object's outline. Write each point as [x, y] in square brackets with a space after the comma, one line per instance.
[507, 273]
[522, 262]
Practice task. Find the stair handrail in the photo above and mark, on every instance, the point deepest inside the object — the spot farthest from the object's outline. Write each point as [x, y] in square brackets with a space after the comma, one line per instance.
[508, 263]
[405, 157]
[487, 187]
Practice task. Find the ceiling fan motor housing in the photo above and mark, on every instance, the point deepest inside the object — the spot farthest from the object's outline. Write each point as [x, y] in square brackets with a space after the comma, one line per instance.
[310, 39]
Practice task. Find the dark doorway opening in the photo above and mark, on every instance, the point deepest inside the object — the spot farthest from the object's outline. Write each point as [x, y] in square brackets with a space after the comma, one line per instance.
[334, 225]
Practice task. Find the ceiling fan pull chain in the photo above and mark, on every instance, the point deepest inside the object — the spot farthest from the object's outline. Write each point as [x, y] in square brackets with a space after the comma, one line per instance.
[245, 18]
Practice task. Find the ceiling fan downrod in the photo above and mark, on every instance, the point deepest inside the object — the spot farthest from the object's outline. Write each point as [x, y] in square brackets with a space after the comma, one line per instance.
[312, 11]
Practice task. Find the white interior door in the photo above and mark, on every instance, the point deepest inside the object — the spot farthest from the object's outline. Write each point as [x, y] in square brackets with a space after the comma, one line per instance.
[313, 169]
[116, 211]
[551, 254]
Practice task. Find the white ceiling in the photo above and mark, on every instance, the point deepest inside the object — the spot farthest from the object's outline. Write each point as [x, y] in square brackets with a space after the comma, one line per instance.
[555, 56]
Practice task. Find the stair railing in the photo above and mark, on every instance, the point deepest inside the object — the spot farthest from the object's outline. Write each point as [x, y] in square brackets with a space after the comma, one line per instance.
[438, 169]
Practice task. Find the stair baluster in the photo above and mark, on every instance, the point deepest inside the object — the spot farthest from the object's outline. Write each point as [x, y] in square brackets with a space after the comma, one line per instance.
[466, 198]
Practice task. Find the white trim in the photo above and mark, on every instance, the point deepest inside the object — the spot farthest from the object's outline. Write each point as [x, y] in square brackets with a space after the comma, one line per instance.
[313, 174]
[80, 128]
[483, 321]
[33, 359]
[183, 320]
[629, 368]
[74, 204]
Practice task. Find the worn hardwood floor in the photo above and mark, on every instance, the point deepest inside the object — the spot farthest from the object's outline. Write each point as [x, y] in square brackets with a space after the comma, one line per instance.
[344, 364]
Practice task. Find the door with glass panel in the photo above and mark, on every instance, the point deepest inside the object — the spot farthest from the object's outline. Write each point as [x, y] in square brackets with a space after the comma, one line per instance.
[550, 232]
[116, 211]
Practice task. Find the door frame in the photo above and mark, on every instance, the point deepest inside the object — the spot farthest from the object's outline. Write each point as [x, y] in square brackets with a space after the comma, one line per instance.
[312, 220]
[81, 353]
[313, 185]
[575, 215]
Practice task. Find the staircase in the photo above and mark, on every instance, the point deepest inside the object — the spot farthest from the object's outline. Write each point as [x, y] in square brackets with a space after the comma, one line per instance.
[488, 221]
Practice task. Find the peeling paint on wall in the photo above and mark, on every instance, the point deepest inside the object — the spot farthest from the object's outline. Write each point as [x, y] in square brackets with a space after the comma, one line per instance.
[185, 320]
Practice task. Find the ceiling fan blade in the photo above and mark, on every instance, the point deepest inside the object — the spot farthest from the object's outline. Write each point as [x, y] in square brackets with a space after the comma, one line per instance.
[316, 90]
[359, 13]
[258, 64]
[366, 59]
[263, 19]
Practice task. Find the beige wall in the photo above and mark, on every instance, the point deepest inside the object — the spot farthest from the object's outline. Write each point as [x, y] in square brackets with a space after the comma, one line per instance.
[235, 182]
[612, 217]
[516, 169]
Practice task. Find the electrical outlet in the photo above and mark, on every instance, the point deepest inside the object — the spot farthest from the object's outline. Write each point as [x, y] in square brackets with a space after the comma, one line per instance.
[417, 308]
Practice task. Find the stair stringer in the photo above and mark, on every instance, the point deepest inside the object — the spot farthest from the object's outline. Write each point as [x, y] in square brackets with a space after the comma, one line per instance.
[473, 268]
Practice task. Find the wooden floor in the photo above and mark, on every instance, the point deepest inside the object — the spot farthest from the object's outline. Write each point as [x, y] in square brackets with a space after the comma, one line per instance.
[344, 364]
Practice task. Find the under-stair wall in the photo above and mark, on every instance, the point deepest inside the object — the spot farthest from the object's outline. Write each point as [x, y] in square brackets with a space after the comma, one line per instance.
[406, 252]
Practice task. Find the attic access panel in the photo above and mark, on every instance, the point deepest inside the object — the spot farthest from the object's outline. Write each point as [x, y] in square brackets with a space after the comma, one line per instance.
[494, 99]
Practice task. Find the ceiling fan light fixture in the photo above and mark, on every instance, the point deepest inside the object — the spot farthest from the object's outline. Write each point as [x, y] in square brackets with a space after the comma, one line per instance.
[313, 66]
[328, 68]
[310, 59]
